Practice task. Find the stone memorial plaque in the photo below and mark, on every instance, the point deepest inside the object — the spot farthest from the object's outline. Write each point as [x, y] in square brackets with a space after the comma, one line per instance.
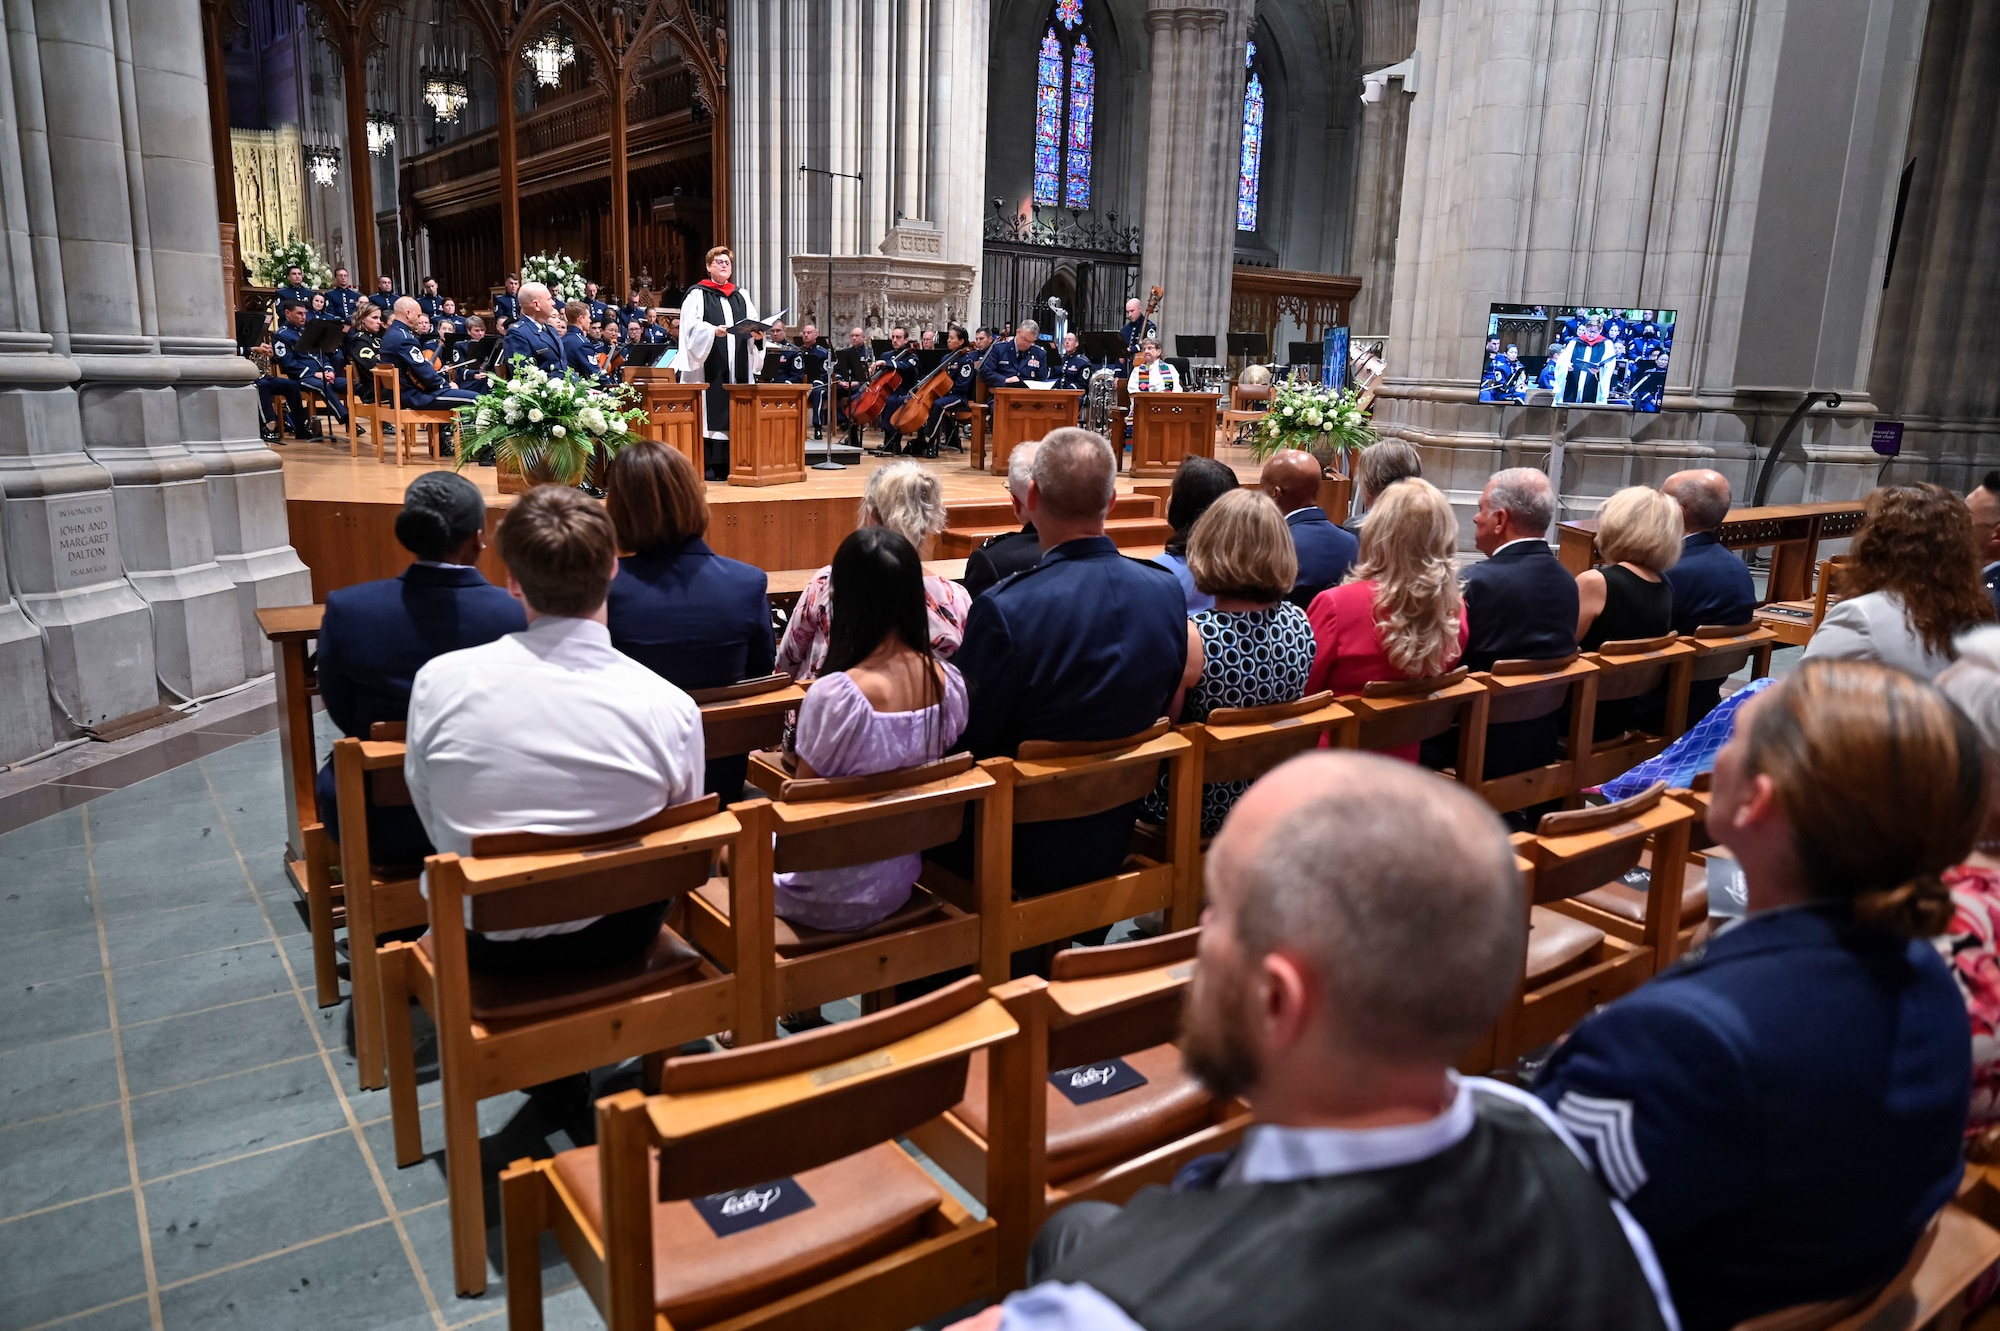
[83, 540]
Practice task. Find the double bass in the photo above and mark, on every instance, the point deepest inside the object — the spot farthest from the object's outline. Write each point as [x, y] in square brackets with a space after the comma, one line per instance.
[913, 414]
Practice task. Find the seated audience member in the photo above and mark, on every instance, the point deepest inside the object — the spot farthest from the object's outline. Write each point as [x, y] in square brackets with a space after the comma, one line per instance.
[907, 498]
[1971, 942]
[1086, 645]
[1251, 647]
[1783, 1112]
[1400, 614]
[376, 635]
[1627, 598]
[1910, 584]
[1710, 582]
[882, 701]
[1325, 551]
[677, 607]
[1377, 1187]
[1009, 552]
[1198, 482]
[1376, 468]
[1984, 506]
[552, 729]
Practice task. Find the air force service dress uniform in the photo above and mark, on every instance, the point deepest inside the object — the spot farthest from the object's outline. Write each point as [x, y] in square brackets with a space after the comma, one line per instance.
[537, 342]
[1006, 360]
[291, 295]
[307, 371]
[423, 384]
[507, 307]
[904, 363]
[710, 354]
[785, 363]
[341, 302]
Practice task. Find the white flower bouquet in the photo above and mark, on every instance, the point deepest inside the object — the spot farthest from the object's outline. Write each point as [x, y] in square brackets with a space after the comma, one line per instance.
[271, 267]
[1322, 421]
[562, 275]
[547, 427]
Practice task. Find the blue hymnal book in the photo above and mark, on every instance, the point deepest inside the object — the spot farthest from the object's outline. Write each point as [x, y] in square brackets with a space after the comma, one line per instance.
[746, 1208]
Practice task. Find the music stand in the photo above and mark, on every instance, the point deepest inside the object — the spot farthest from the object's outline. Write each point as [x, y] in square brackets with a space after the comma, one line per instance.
[1250, 346]
[645, 353]
[1194, 347]
[251, 330]
[321, 337]
[1305, 353]
[1103, 348]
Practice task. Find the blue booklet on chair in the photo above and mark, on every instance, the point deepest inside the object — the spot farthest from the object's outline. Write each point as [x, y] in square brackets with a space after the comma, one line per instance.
[746, 1208]
[1096, 1081]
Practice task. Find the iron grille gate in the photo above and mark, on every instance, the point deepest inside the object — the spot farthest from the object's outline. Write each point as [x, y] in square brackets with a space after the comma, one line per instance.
[1091, 267]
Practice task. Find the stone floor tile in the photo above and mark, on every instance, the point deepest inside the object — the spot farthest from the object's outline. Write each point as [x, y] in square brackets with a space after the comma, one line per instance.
[52, 954]
[61, 1159]
[207, 1044]
[204, 980]
[60, 1075]
[248, 1111]
[69, 1259]
[51, 1010]
[29, 912]
[203, 927]
[357, 1282]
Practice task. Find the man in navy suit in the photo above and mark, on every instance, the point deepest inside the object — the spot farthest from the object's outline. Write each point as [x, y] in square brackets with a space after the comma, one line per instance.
[376, 635]
[1325, 550]
[1086, 645]
[1984, 501]
[1710, 583]
[530, 335]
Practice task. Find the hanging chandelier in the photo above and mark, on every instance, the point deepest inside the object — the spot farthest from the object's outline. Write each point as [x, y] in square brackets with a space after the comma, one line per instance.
[550, 54]
[322, 163]
[381, 132]
[445, 88]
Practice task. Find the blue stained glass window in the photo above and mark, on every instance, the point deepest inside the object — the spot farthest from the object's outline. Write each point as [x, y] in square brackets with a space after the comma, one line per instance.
[1082, 106]
[1249, 55]
[1048, 121]
[1069, 12]
[1253, 155]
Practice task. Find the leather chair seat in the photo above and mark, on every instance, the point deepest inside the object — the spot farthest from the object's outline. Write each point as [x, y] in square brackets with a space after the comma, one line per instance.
[864, 1206]
[505, 998]
[1085, 1137]
[1558, 945]
[798, 940]
[1630, 904]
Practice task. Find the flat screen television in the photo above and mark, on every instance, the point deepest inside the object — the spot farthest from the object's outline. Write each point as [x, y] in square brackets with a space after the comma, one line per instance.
[1594, 356]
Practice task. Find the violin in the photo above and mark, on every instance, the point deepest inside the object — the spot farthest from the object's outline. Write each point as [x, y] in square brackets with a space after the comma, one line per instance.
[870, 402]
[911, 416]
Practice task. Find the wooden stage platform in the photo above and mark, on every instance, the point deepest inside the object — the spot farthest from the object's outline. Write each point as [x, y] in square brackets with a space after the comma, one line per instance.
[343, 511]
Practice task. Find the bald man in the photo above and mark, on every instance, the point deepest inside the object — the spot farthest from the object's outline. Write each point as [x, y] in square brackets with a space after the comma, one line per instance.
[424, 385]
[1711, 584]
[1326, 551]
[1376, 1181]
[1984, 501]
[530, 335]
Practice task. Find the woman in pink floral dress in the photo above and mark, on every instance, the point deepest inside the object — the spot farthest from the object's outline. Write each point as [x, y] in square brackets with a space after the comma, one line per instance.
[1971, 945]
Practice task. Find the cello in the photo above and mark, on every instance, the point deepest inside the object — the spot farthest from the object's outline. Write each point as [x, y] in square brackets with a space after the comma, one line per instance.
[870, 401]
[913, 414]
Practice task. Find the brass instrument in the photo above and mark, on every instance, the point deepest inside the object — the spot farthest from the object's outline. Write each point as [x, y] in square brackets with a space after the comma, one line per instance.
[1101, 400]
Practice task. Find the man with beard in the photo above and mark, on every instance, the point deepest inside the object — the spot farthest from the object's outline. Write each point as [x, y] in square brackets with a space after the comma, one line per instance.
[1363, 929]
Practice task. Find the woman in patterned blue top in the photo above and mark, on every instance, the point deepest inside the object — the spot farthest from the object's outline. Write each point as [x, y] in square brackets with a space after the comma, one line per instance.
[1253, 648]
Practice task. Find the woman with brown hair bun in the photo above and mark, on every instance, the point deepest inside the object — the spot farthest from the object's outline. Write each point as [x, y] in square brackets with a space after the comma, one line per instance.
[1783, 1112]
[1910, 584]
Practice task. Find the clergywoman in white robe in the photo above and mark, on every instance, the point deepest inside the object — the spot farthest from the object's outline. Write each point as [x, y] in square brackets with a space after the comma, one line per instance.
[711, 355]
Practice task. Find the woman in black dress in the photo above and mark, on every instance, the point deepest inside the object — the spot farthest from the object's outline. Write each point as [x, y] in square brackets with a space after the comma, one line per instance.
[1627, 598]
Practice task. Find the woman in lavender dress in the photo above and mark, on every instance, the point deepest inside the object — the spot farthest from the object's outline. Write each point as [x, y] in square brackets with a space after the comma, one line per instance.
[882, 701]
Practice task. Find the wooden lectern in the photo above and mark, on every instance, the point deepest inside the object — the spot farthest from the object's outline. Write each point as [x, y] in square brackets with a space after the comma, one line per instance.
[1021, 414]
[1167, 427]
[767, 433]
[673, 410]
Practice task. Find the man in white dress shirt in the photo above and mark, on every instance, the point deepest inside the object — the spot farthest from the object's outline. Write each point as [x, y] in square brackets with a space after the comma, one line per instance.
[552, 730]
[1364, 928]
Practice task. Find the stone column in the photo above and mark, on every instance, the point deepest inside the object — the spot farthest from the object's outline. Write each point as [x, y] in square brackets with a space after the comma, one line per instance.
[1193, 141]
[24, 683]
[1388, 36]
[1731, 160]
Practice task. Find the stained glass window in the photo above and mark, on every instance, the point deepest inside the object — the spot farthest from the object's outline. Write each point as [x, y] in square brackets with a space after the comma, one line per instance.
[1253, 155]
[1049, 122]
[1082, 104]
[1249, 55]
[1069, 13]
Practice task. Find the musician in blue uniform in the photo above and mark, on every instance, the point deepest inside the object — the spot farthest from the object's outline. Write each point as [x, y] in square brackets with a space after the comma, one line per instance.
[507, 305]
[293, 290]
[424, 385]
[312, 373]
[1073, 369]
[341, 297]
[1012, 363]
[817, 358]
[270, 388]
[1649, 384]
[784, 361]
[962, 363]
[634, 309]
[901, 357]
[428, 299]
[361, 349]
[465, 362]
[384, 296]
[1137, 329]
[1506, 380]
[531, 335]
[578, 349]
[599, 309]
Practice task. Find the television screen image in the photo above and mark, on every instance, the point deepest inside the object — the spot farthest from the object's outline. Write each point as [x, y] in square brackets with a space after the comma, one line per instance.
[1576, 356]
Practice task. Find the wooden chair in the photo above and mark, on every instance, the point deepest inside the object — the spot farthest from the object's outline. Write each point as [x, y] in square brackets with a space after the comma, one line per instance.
[741, 718]
[882, 1246]
[1529, 691]
[497, 1035]
[378, 898]
[1574, 966]
[1247, 405]
[360, 413]
[1101, 1003]
[1958, 1247]
[1050, 782]
[1630, 670]
[825, 824]
[404, 421]
[1720, 650]
[1620, 910]
[1394, 714]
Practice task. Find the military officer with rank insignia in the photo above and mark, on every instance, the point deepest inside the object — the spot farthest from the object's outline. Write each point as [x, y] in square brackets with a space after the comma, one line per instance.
[1012, 363]
[309, 372]
[784, 362]
[423, 384]
[384, 296]
[531, 336]
[361, 349]
[1073, 369]
[599, 309]
[428, 299]
[962, 364]
[1137, 329]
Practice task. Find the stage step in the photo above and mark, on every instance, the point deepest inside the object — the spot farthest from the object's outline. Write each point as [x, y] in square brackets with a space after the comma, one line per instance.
[958, 542]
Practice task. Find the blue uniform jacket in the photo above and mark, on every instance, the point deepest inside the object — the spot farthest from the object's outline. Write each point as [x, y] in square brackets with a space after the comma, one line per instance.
[421, 380]
[1783, 1114]
[430, 305]
[291, 295]
[1005, 361]
[374, 638]
[384, 300]
[698, 620]
[537, 342]
[341, 302]
[1711, 585]
[506, 307]
[1074, 371]
[1326, 551]
[784, 363]
[1085, 645]
[579, 355]
[295, 364]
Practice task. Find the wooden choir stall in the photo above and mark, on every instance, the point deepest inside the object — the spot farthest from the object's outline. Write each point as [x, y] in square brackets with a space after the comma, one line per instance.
[1021, 414]
[1167, 427]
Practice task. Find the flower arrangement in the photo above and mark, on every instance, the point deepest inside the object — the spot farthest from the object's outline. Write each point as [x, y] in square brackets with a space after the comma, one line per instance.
[1324, 422]
[270, 268]
[562, 275]
[547, 428]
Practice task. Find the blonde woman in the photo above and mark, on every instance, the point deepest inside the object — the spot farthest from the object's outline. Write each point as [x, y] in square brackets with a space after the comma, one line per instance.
[1399, 615]
[1639, 539]
[906, 498]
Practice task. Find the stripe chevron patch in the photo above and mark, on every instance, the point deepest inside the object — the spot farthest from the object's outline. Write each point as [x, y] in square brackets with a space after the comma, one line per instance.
[1607, 1126]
